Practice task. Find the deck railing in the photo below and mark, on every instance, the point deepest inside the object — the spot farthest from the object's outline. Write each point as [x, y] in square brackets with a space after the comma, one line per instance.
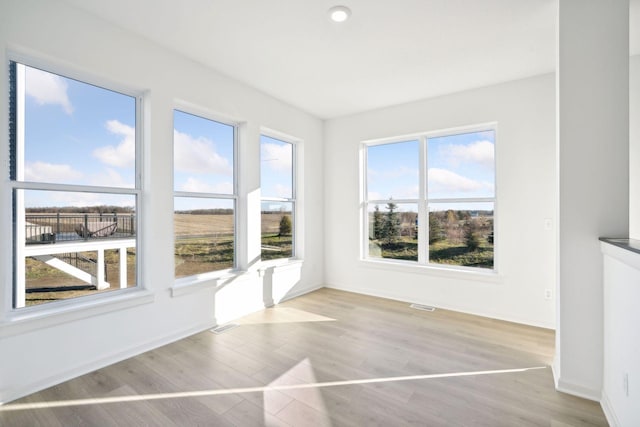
[60, 227]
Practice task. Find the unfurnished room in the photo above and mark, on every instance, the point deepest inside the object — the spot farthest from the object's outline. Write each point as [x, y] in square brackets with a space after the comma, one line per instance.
[320, 213]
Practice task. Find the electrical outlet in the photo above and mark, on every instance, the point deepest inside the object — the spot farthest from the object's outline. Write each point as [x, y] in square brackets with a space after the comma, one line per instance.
[547, 294]
[625, 384]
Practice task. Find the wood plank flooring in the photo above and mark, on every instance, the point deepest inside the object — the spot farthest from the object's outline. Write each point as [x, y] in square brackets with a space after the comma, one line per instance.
[329, 358]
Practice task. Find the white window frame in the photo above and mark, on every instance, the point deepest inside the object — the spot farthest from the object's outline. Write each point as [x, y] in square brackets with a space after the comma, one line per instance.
[207, 115]
[423, 202]
[14, 309]
[296, 148]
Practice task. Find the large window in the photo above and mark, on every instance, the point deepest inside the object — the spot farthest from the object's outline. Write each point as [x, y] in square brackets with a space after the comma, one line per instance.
[431, 199]
[278, 198]
[75, 190]
[205, 195]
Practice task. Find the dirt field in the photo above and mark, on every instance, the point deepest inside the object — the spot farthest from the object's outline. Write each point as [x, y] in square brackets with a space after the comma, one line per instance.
[196, 225]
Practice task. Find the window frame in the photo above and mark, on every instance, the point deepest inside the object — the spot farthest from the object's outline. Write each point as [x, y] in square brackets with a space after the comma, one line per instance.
[294, 199]
[13, 310]
[202, 113]
[423, 201]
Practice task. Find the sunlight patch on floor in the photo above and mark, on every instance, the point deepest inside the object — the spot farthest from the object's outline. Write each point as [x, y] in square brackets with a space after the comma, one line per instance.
[282, 387]
[282, 315]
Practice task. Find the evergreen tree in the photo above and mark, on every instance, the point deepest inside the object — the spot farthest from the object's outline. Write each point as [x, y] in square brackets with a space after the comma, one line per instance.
[378, 224]
[436, 230]
[471, 235]
[391, 226]
[285, 226]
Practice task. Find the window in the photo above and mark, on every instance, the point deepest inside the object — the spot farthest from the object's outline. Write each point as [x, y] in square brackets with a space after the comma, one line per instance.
[75, 187]
[204, 194]
[278, 198]
[445, 181]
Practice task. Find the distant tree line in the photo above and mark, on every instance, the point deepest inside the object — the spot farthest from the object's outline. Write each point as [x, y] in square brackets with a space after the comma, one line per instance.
[82, 209]
[464, 226]
[218, 211]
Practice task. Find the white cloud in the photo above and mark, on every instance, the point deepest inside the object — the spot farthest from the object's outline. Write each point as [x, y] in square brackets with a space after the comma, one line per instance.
[110, 178]
[50, 172]
[87, 199]
[124, 154]
[197, 186]
[46, 88]
[277, 157]
[478, 152]
[282, 191]
[442, 180]
[198, 155]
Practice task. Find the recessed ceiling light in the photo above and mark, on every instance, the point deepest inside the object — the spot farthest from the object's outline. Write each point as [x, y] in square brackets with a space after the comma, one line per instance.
[339, 13]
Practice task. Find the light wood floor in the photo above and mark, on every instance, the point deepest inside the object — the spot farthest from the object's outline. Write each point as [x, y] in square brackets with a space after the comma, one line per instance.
[327, 358]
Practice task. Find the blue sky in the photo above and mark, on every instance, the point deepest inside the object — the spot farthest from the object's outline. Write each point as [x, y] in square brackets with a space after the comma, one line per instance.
[459, 166]
[77, 133]
[276, 167]
[203, 154]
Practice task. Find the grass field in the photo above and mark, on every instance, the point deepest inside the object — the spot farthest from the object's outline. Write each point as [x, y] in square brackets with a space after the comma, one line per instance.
[442, 252]
[45, 283]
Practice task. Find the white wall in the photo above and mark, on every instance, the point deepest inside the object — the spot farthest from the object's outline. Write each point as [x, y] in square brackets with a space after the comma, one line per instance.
[525, 152]
[634, 147]
[593, 181]
[39, 352]
[620, 395]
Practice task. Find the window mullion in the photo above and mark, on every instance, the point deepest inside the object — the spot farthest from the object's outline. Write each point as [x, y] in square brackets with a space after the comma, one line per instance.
[423, 206]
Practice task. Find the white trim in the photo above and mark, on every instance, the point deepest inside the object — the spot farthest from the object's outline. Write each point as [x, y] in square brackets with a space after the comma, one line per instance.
[608, 410]
[464, 310]
[423, 202]
[194, 110]
[198, 282]
[53, 64]
[432, 134]
[578, 390]
[19, 251]
[296, 185]
[449, 272]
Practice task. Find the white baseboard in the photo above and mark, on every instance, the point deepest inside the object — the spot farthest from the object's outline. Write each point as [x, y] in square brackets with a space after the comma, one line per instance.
[300, 293]
[609, 413]
[578, 390]
[408, 299]
[27, 389]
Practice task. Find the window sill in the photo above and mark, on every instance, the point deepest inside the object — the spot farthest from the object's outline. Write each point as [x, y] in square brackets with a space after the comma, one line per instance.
[199, 282]
[28, 319]
[278, 265]
[490, 276]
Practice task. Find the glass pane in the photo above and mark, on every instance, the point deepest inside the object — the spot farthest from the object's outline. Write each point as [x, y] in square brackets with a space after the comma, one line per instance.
[392, 171]
[276, 168]
[204, 235]
[393, 231]
[277, 230]
[71, 244]
[461, 234]
[76, 133]
[461, 166]
[203, 154]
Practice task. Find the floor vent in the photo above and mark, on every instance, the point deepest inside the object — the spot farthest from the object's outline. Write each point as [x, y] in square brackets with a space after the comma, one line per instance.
[422, 307]
[224, 328]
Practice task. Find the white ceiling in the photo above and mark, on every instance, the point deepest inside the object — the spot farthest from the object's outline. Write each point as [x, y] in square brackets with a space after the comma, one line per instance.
[389, 52]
